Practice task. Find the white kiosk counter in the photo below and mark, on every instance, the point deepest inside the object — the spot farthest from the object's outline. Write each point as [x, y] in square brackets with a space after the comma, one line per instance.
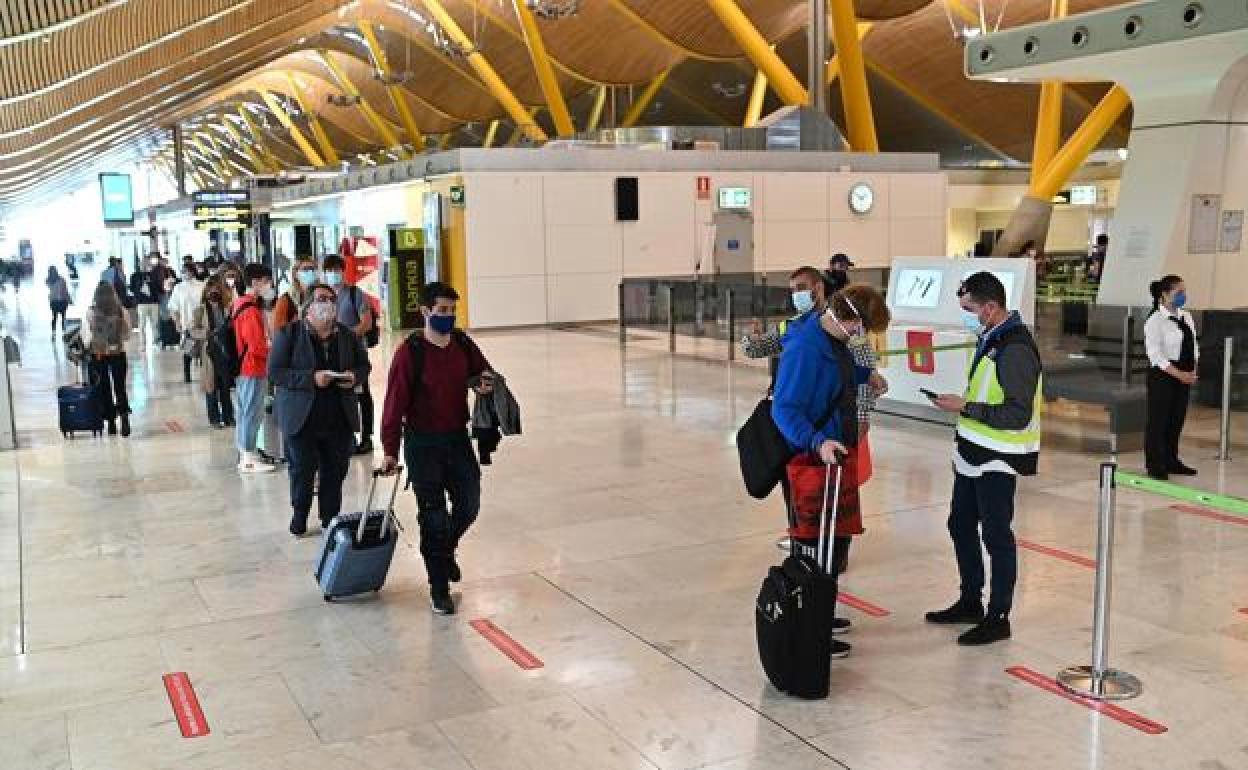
[927, 325]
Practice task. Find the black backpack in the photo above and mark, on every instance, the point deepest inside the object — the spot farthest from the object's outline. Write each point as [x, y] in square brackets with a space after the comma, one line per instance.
[372, 337]
[223, 350]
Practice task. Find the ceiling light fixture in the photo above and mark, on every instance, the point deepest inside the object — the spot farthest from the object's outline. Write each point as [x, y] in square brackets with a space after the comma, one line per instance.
[553, 10]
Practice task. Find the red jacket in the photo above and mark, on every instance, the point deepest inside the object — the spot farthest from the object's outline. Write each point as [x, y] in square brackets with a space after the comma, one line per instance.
[252, 336]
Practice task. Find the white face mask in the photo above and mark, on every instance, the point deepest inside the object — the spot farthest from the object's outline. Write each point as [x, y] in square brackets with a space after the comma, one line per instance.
[268, 293]
[321, 313]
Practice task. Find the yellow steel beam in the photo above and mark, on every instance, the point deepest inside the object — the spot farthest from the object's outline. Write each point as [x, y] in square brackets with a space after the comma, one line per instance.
[758, 94]
[834, 64]
[545, 71]
[518, 131]
[274, 162]
[373, 117]
[595, 114]
[1081, 143]
[757, 49]
[445, 141]
[301, 141]
[257, 158]
[485, 71]
[855, 96]
[328, 151]
[219, 168]
[396, 93]
[491, 134]
[220, 149]
[1049, 116]
[640, 106]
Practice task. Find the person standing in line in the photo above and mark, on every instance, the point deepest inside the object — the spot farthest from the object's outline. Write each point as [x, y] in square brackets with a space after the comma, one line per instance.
[837, 274]
[251, 335]
[232, 282]
[998, 440]
[426, 410]
[294, 300]
[355, 313]
[315, 364]
[104, 335]
[187, 295]
[1173, 353]
[146, 287]
[58, 297]
[209, 315]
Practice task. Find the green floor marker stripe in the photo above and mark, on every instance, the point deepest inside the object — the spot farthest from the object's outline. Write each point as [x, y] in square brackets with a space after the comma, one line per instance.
[1226, 503]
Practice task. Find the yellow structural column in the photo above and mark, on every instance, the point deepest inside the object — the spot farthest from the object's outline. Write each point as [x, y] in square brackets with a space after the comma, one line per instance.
[396, 92]
[640, 106]
[274, 162]
[545, 71]
[328, 151]
[1049, 116]
[759, 51]
[489, 77]
[1081, 143]
[834, 64]
[257, 158]
[374, 118]
[758, 94]
[491, 134]
[855, 96]
[301, 141]
[595, 113]
[219, 167]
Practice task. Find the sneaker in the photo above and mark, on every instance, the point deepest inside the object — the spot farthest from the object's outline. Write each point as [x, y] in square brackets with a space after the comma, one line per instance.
[252, 464]
[993, 629]
[453, 573]
[365, 447]
[442, 604]
[266, 457]
[960, 612]
[841, 626]
[219, 425]
[1159, 475]
[840, 649]
[1179, 469]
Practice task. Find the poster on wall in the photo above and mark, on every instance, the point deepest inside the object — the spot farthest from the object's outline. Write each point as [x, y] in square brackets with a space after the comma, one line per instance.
[1204, 225]
[1232, 230]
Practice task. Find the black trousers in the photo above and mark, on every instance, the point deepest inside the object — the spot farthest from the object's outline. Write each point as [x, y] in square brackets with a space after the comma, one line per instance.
[983, 507]
[59, 306]
[220, 406]
[438, 473]
[311, 451]
[108, 375]
[1167, 411]
[366, 411]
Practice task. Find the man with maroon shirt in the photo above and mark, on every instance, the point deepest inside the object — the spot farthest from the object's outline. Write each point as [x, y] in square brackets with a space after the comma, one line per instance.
[427, 409]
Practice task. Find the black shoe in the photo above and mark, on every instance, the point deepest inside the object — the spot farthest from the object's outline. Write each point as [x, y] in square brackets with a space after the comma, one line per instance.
[112, 427]
[840, 649]
[442, 603]
[325, 524]
[268, 458]
[452, 570]
[1159, 475]
[298, 525]
[993, 629]
[962, 611]
[1179, 469]
[365, 447]
[125, 425]
[841, 626]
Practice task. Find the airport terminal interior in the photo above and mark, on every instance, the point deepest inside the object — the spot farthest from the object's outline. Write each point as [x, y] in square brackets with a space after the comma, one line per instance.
[973, 259]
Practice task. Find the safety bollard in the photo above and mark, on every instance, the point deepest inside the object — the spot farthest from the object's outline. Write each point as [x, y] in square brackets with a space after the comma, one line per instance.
[671, 318]
[732, 324]
[1224, 432]
[1099, 681]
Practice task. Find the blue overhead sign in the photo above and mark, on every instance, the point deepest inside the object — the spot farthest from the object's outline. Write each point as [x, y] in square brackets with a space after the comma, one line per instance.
[117, 199]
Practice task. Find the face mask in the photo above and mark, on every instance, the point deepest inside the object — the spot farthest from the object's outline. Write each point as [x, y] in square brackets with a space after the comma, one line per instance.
[1180, 299]
[268, 293]
[442, 324]
[321, 312]
[803, 301]
[229, 281]
[306, 277]
[333, 278]
[971, 322]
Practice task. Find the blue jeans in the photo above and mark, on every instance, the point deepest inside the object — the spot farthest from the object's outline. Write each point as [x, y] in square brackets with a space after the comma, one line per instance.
[251, 392]
[438, 472]
[985, 503]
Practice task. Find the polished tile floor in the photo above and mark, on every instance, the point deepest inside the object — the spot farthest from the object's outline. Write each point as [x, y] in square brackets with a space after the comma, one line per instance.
[617, 546]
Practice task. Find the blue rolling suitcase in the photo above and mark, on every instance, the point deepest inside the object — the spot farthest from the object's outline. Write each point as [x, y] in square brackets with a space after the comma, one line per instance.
[79, 410]
[357, 547]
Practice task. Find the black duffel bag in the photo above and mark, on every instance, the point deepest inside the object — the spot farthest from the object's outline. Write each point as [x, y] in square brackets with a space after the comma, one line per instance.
[763, 452]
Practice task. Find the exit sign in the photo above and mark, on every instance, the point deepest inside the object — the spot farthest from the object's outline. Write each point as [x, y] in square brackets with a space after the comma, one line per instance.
[457, 195]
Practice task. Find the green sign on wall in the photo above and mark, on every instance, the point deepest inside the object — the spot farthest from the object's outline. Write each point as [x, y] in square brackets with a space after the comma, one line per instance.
[457, 195]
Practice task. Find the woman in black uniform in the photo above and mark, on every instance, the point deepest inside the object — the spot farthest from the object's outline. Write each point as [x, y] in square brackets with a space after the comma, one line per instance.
[1170, 341]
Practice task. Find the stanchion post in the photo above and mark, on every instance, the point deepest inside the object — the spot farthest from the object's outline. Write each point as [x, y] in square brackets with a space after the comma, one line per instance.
[623, 322]
[671, 318]
[732, 323]
[1098, 680]
[1128, 331]
[1224, 432]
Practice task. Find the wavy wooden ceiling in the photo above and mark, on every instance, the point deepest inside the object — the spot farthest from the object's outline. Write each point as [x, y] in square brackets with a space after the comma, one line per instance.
[86, 83]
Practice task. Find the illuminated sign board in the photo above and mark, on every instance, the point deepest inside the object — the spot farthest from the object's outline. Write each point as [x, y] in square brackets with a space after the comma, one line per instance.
[117, 199]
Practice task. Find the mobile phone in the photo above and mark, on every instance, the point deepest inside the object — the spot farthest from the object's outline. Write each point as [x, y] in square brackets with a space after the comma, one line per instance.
[928, 393]
[341, 377]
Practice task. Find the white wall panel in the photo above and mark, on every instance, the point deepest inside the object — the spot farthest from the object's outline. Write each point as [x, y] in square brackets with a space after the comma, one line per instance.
[583, 249]
[916, 196]
[583, 297]
[504, 223]
[663, 241]
[918, 237]
[579, 199]
[506, 301]
[865, 240]
[793, 244]
[794, 198]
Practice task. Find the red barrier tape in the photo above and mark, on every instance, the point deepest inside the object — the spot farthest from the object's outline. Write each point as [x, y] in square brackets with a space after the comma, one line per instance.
[185, 705]
[862, 605]
[1056, 553]
[1208, 514]
[506, 645]
[1118, 713]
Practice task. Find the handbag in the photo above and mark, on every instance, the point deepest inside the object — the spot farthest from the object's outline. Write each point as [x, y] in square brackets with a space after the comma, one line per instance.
[763, 451]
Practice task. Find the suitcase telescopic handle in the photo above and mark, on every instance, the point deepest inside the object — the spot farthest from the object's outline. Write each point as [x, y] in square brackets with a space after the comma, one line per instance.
[368, 506]
[824, 551]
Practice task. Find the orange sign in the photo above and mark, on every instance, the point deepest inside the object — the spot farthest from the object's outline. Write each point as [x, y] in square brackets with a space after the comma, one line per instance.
[922, 359]
[704, 188]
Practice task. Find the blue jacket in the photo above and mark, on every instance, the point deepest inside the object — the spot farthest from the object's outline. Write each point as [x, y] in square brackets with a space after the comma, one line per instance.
[810, 385]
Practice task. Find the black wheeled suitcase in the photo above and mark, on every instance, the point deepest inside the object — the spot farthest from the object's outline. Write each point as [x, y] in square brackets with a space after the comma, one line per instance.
[358, 547]
[79, 410]
[795, 609]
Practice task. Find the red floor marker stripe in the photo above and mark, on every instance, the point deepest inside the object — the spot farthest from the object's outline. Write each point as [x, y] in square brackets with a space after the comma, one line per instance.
[1113, 711]
[862, 605]
[1208, 514]
[1243, 610]
[506, 645]
[185, 705]
[1073, 558]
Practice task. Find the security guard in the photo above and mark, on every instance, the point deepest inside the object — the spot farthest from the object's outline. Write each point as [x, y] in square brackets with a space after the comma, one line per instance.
[998, 440]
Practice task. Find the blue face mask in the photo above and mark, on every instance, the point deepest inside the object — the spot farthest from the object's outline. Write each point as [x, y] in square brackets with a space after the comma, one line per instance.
[333, 278]
[971, 322]
[803, 301]
[1180, 299]
[306, 277]
[442, 324]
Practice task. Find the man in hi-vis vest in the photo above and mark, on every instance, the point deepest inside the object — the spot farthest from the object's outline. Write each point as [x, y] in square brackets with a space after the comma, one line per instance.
[998, 440]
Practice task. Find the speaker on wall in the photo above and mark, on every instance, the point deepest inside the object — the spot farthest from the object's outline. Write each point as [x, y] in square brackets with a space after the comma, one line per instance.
[626, 209]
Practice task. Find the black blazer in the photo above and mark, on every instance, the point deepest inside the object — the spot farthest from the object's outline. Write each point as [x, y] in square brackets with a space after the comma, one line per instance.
[292, 362]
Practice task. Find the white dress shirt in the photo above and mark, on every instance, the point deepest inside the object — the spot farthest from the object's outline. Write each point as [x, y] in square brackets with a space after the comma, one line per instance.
[183, 300]
[1163, 339]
